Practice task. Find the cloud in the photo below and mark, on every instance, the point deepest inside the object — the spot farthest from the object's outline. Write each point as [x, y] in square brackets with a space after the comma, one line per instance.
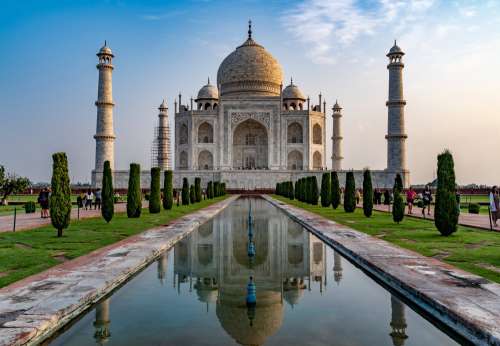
[162, 16]
[321, 25]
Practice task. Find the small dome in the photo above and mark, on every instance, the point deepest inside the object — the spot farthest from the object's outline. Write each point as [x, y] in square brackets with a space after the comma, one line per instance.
[395, 50]
[163, 105]
[105, 50]
[250, 69]
[209, 92]
[336, 106]
[292, 91]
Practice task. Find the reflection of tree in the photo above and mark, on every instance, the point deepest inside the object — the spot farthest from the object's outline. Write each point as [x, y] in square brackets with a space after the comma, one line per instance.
[337, 267]
[102, 322]
[398, 322]
[162, 268]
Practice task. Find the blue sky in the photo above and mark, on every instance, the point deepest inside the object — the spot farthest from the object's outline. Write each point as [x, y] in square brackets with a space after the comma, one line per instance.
[48, 79]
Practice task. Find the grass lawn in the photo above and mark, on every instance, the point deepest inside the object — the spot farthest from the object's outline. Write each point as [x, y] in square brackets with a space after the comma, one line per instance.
[29, 252]
[473, 250]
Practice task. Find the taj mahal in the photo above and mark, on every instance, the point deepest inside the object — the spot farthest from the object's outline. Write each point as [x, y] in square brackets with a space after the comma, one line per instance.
[249, 130]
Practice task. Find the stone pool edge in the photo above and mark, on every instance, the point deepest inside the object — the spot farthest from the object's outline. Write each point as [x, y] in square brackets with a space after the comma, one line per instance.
[466, 303]
[33, 309]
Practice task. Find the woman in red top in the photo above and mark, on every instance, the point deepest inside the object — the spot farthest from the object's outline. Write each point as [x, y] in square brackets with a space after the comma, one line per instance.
[410, 197]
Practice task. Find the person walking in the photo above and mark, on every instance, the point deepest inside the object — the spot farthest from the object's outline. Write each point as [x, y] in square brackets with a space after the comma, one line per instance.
[98, 197]
[427, 198]
[358, 196]
[494, 205]
[88, 199]
[43, 200]
[410, 198]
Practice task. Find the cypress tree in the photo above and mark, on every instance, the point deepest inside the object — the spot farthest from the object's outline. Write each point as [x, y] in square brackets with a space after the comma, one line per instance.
[350, 193]
[335, 190]
[108, 198]
[446, 209]
[216, 189]
[134, 195]
[223, 188]
[296, 190]
[326, 190]
[155, 191]
[197, 189]
[185, 192]
[210, 190]
[291, 193]
[367, 193]
[168, 197]
[307, 190]
[60, 198]
[398, 207]
[303, 190]
[314, 191]
[192, 194]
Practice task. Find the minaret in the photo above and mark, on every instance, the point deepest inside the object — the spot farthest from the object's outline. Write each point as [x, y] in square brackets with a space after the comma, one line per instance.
[398, 322]
[337, 138]
[104, 137]
[163, 138]
[396, 135]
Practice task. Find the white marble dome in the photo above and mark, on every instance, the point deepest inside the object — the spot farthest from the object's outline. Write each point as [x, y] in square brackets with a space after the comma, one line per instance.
[208, 92]
[250, 69]
[292, 92]
[105, 50]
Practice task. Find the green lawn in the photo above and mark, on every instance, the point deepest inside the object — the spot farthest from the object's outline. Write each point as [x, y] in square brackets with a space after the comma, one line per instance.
[470, 249]
[29, 252]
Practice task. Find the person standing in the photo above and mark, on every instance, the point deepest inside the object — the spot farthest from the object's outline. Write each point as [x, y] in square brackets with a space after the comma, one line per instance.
[358, 196]
[494, 205]
[88, 199]
[43, 200]
[427, 198]
[98, 197]
[410, 198]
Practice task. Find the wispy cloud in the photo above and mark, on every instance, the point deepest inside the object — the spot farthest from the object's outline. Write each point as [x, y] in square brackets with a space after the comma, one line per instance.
[323, 24]
[161, 16]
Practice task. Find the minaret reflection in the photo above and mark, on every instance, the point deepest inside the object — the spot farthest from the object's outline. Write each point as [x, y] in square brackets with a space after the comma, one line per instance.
[162, 268]
[398, 322]
[102, 322]
[337, 267]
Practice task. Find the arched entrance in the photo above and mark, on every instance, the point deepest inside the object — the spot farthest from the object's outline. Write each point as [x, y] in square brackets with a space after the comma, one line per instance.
[250, 149]
[294, 160]
[205, 160]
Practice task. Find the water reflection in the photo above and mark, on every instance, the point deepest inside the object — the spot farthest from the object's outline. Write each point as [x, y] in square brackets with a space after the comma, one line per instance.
[225, 253]
[398, 322]
[102, 332]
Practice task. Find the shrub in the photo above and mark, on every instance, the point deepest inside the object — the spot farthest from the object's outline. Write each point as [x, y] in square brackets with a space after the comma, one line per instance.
[446, 208]
[398, 207]
[185, 192]
[223, 185]
[192, 194]
[108, 198]
[60, 199]
[146, 196]
[30, 207]
[168, 197]
[155, 191]
[367, 193]
[335, 187]
[291, 192]
[326, 190]
[314, 191]
[210, 190]
[474, 208]
[197, 189]
[420, 203]
[350, 193]
[216, 189]
[134, 195]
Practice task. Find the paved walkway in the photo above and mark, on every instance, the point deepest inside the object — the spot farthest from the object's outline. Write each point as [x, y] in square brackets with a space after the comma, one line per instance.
[467, 303]
[471, 220]
[29, 221]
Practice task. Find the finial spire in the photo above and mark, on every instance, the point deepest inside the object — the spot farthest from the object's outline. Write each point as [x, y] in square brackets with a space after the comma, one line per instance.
[291, 80]
[250, 29]
[105, 43]
[208, 81]
[395, 42]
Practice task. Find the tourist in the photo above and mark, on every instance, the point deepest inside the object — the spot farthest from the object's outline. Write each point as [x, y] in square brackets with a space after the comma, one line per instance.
[43, 200]
[387, 197]
[410, 198]
[494, 205]
[457, 197]
[427, 198]
[98, 197]
[88, 199]
[358, 196]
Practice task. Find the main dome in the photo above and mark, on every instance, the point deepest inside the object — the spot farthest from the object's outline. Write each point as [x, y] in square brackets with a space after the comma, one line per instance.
[250, 69]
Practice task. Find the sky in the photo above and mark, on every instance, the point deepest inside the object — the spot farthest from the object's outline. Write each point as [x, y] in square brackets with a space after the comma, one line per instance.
[48, 78]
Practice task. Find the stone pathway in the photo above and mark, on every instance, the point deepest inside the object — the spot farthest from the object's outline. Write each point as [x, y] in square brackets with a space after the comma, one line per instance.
[28, 221]
[471, 220]
[467, 303]
[34, 308]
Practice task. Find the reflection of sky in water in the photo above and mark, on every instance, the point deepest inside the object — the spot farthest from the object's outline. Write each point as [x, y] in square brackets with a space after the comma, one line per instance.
[195, 294]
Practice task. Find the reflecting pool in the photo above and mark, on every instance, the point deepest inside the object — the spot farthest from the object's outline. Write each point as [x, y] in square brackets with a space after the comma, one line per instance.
[252, 280]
